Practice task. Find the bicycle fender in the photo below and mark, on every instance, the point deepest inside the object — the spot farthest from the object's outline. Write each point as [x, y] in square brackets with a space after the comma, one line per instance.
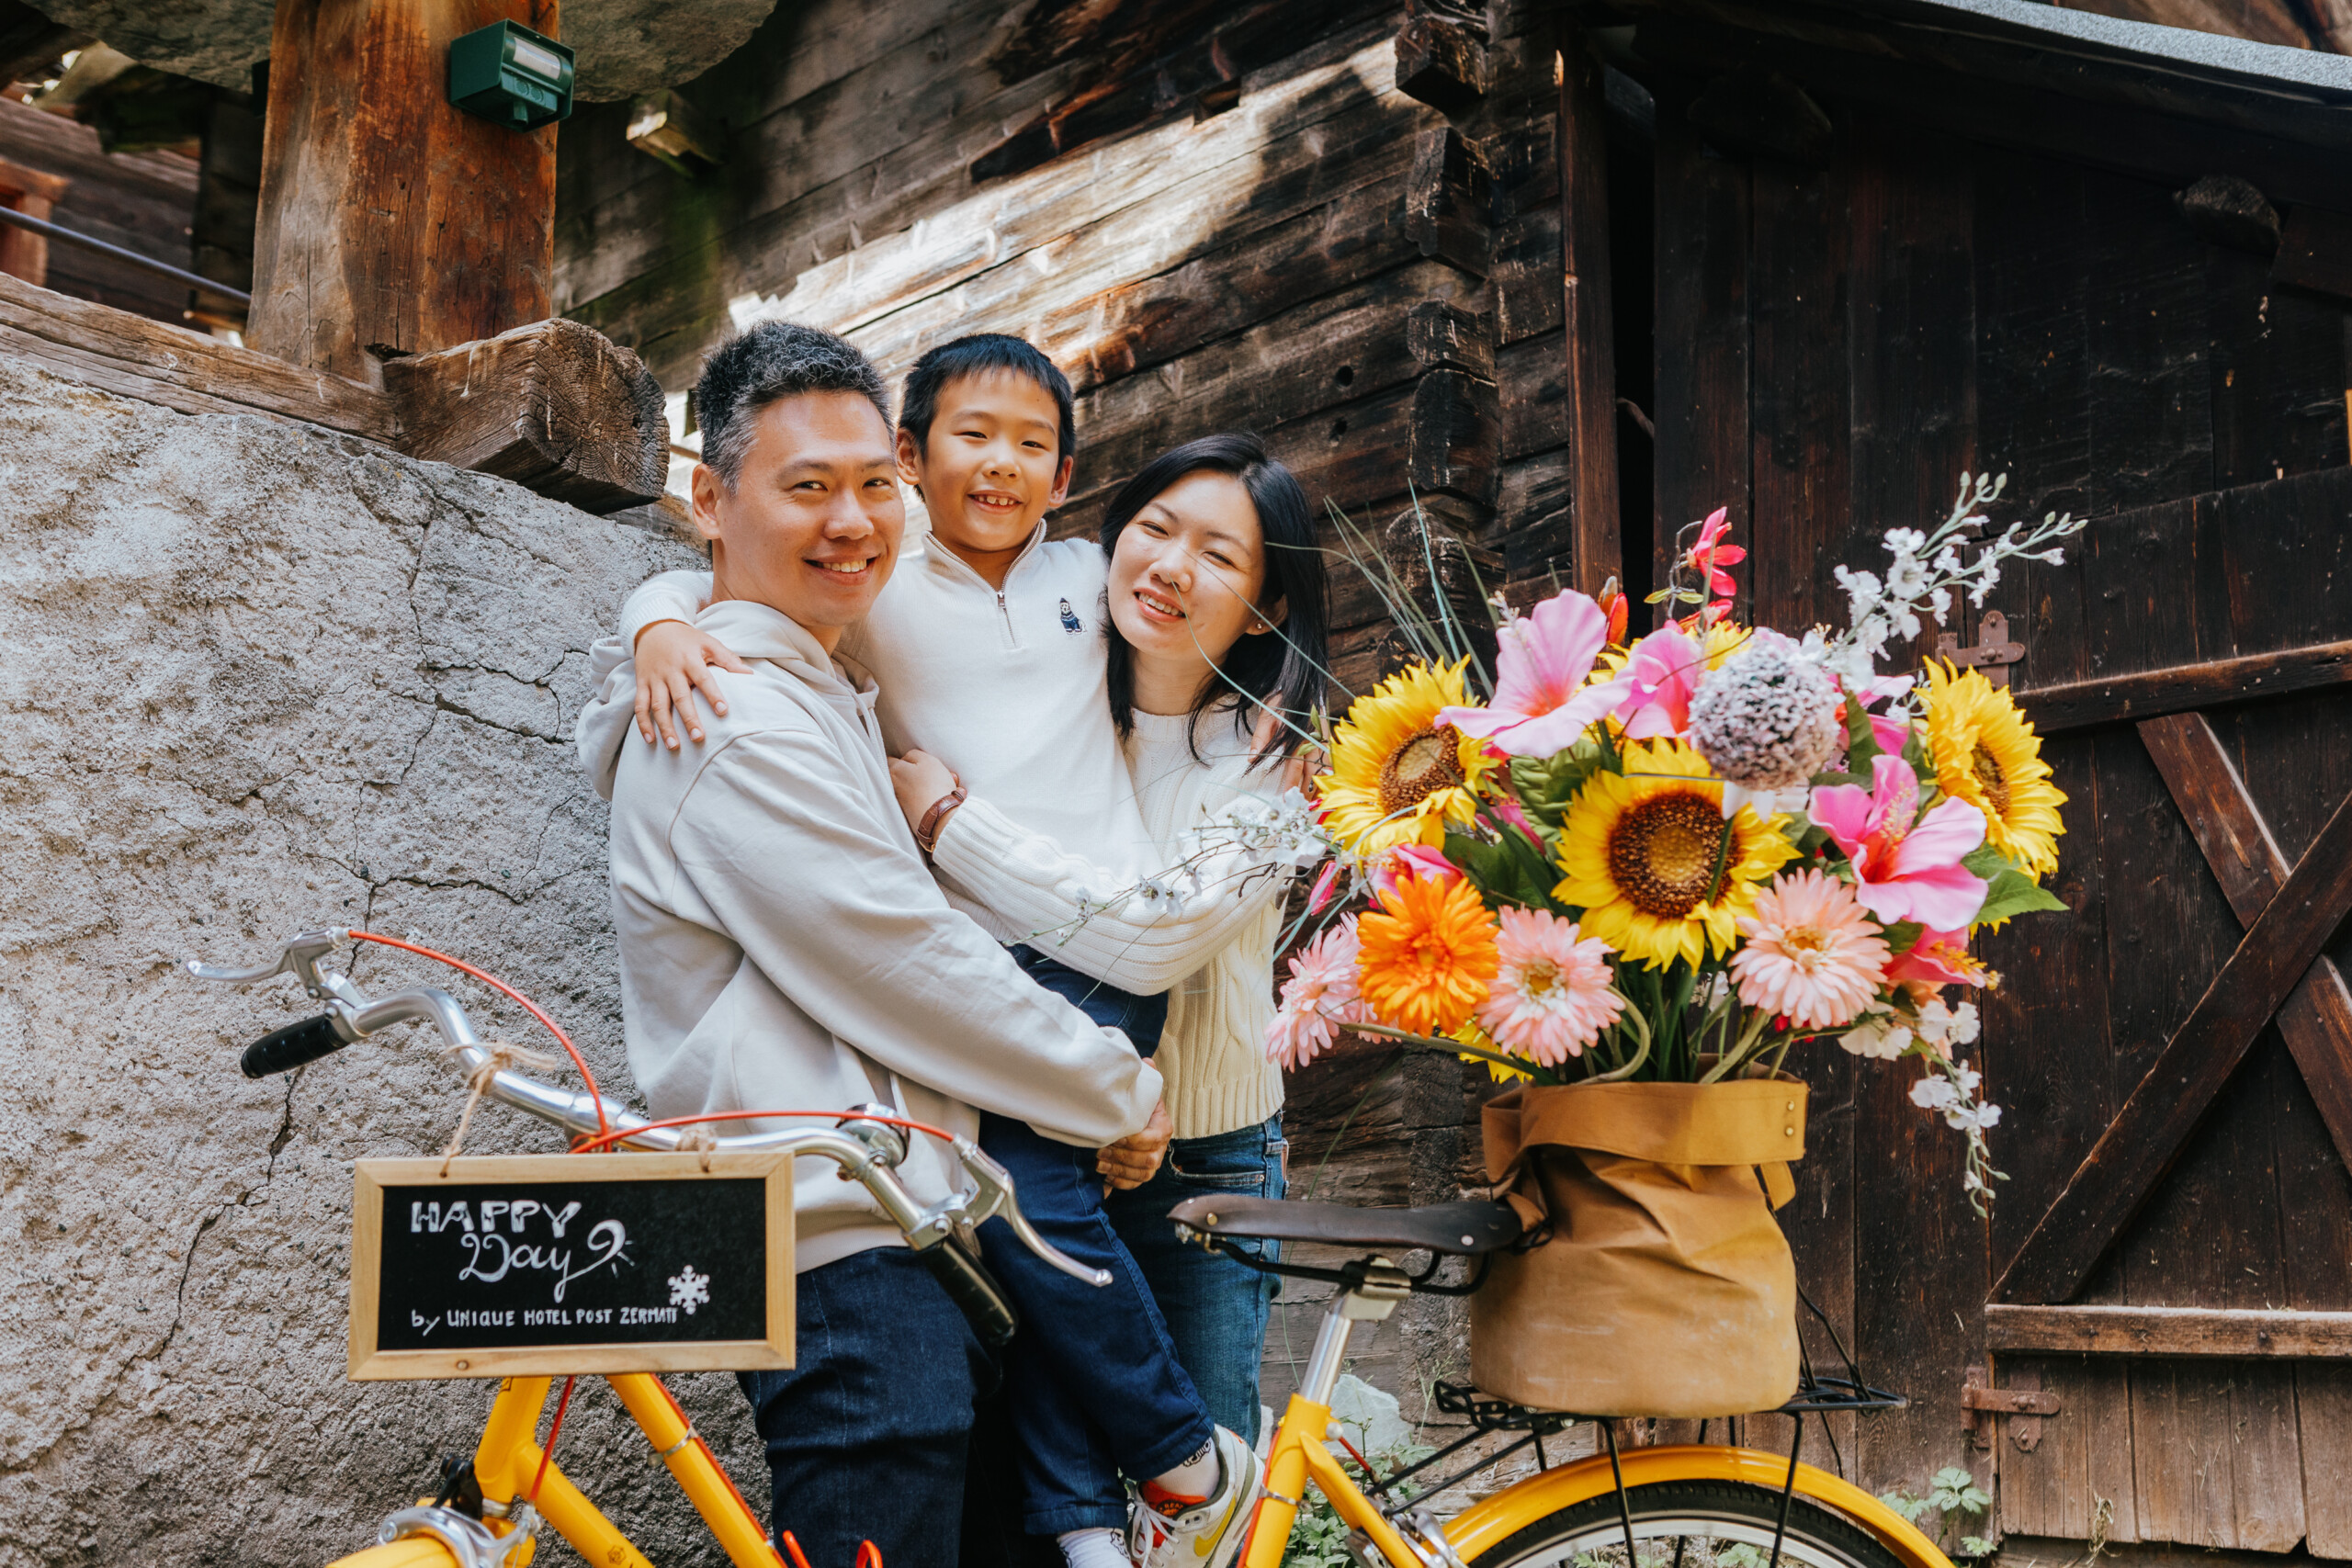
[1540, 1497]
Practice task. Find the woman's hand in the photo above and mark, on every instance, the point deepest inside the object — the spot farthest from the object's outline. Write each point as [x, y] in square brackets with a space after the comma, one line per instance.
[921, 781]
[673, 660]
[1134, 1159]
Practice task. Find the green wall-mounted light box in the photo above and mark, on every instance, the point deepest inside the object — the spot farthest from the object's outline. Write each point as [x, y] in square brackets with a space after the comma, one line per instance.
[511, 74]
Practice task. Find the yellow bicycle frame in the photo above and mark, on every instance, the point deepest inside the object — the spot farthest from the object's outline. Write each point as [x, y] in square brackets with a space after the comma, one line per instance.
[508, 1459]
[1298, 1455]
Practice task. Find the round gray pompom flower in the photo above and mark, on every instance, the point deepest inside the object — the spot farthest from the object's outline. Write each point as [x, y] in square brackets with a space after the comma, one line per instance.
[1767, 719]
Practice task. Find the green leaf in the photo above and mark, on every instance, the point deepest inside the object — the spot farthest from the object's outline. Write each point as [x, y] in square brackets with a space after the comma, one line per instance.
[1904, 935]
[1985, 860]
[2014, 893]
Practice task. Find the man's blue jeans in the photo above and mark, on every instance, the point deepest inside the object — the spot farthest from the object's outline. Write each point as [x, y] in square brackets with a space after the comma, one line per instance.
[1093, 1384]
[1217, 1309]
[867, 1436]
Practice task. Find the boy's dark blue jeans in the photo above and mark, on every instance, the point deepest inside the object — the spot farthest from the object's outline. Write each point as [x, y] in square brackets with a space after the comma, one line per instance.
[1092, 1383]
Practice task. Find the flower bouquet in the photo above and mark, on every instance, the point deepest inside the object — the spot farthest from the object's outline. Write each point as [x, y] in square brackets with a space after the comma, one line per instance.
[1630, 880]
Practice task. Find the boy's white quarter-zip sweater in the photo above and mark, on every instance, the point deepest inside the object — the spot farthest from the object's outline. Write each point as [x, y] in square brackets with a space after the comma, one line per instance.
[1008, 687]
[783, 947]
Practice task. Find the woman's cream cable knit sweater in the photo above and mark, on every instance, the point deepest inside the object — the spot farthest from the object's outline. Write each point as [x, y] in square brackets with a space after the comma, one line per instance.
[1211, 950]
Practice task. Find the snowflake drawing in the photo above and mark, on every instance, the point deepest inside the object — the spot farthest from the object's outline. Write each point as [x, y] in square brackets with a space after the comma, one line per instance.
[688, 1288]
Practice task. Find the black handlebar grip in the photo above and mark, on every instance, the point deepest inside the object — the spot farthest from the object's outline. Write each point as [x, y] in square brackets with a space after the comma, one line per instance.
[285, 1049]
[973, 1289]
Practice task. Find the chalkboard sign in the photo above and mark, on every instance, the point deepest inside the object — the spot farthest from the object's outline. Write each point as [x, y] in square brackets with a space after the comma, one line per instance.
[544, 1264]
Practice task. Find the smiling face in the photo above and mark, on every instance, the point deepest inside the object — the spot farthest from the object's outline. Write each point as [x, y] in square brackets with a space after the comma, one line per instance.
[991, 465]
[812, 524]
[1186, 574]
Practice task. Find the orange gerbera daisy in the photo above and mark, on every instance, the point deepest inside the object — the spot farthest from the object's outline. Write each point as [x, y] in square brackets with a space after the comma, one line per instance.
[1427, 953]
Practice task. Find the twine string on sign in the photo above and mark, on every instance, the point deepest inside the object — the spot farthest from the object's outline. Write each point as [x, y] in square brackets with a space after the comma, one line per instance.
[701, 1140]
[502, 1056]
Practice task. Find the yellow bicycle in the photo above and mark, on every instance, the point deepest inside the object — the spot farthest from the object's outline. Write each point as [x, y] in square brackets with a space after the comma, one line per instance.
[491, 1509]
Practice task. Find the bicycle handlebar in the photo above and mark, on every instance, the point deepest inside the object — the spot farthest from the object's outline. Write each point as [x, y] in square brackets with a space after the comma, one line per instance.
[867, 1151]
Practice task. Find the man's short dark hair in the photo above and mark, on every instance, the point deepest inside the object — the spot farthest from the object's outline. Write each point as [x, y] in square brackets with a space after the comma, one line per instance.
[771, 362]
[976, 355]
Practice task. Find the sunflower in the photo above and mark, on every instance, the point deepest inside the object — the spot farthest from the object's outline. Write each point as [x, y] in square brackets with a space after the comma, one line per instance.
[1641, 848]
[1986, 753]
[1398, 776]
[1427, 954]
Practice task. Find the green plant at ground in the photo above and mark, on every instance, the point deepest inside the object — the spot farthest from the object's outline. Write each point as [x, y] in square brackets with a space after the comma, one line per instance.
[1954, 1497]
[1320, 1539]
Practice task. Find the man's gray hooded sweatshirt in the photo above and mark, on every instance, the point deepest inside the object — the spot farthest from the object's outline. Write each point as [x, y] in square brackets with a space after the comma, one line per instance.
[783, 947]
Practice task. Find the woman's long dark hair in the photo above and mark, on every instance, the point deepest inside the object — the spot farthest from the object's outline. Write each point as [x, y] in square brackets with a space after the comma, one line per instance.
[1281, 668]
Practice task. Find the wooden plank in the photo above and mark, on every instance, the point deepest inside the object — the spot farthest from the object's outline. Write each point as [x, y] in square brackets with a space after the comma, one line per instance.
[2033, 357]
[1591, 347]
[2081, 704]
[1702, 339]
[2215, 1453]
[1537, 405]
[2324, 1415]
[1911, 349]
[1798, 419]
[2146, 1135]
[136, 357]
[2277, 374]
[392, 221]
[2151, 405]
[1456, 445]
[1449, 199]
[1442, 62]
[2168, 1331]
[2083, 1457]
[2315, 252]
[2316, 1018]
[553, 406]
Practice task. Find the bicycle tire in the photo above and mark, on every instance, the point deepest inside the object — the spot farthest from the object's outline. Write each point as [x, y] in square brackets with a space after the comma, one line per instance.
[1728, 1512]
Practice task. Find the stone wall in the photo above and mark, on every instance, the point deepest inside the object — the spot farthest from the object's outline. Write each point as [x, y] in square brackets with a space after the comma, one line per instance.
[258, 678]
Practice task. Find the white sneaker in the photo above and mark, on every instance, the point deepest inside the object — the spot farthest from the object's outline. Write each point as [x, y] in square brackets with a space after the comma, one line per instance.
[1206, 1534]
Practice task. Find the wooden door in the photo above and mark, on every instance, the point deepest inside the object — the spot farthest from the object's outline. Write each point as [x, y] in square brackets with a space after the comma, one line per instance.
[2172, 1258]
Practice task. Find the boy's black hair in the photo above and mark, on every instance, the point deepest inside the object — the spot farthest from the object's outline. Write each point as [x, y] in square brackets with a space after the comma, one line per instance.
[772, 361]
[1280, 668]
[976, 355]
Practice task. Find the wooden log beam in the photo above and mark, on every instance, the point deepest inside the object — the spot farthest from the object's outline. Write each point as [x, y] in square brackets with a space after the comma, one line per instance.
[554, 406]
[2167, 1331]
[129, 355]
[1596, 528]
[2081, 704]
[2316, 1017]
[1441, 62]
[2139, 1145]
[392, 223]
[1449, 199]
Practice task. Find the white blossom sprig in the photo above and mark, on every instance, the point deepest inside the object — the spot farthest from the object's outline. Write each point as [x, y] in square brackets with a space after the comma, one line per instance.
[1929, 572]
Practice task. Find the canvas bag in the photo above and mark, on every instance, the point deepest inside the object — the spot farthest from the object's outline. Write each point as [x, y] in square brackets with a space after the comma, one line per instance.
[1665, 1287]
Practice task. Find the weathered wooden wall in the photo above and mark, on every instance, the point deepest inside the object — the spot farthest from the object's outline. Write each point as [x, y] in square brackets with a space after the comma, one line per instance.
[141, 202]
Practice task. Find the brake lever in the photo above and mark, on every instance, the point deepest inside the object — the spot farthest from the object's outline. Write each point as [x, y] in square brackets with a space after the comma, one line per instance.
[298, 958]
[993, 1195]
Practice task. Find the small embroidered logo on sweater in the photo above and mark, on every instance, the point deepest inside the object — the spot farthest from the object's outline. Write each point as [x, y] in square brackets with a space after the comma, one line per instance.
[1070, 622]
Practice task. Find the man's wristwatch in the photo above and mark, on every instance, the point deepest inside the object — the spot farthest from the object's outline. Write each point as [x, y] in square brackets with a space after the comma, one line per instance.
[927, 831]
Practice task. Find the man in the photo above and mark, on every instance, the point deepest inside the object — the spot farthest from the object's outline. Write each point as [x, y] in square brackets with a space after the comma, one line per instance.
[783, 946]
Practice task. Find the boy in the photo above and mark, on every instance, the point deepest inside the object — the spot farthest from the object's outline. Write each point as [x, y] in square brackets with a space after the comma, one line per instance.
[782, 946]
[988, 656]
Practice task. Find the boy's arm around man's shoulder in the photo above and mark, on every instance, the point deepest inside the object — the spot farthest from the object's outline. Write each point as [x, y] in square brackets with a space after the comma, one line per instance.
[782, 841]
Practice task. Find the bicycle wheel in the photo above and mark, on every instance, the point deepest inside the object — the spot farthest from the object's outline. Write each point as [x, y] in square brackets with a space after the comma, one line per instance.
[1691, 1524]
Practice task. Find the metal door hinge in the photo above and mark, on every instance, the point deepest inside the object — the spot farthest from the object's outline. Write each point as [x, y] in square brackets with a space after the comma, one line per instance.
[1983, 1405]
[1994, 652]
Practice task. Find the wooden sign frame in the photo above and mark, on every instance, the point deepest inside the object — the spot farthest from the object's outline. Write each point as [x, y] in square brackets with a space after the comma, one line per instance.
[370, 1178]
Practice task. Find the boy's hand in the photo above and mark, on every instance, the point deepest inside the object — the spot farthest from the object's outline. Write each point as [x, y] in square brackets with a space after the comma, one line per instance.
[920, 780]
[1134, 1159]
[673, 660]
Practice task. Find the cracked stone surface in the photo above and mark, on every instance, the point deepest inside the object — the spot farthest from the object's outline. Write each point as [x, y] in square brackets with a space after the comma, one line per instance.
[624, 46]
[259, 678]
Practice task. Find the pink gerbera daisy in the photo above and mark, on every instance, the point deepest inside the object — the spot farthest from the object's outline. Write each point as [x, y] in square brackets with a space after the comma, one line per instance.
[1809, 952]
[1552, 997]
[1319, 999]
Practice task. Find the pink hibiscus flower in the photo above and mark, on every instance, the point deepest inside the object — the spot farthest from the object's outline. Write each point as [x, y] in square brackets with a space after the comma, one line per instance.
[1905, 871]
[1542, 703]
[1410, 859]
[1939, 959]
[1657, 684]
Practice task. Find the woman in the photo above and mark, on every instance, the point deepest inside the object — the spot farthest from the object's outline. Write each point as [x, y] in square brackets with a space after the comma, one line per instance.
[1215, 647]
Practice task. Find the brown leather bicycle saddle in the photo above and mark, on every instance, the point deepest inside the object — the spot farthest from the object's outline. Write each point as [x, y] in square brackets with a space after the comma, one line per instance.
[1467, 1228]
